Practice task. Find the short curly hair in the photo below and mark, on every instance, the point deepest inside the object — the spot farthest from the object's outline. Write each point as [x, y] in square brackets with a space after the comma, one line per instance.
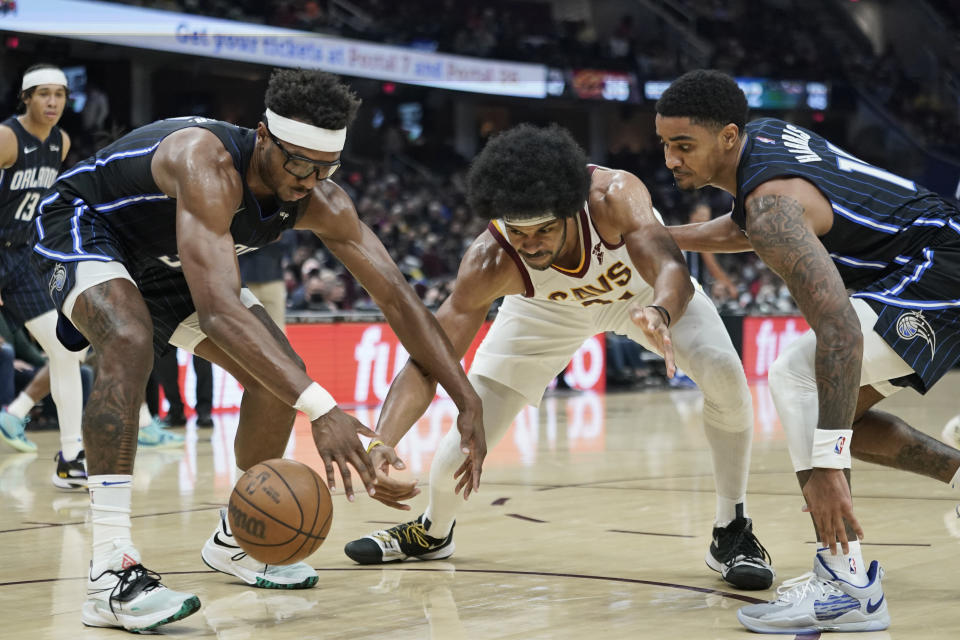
[527, 171]
[708, 97]
[315, 97]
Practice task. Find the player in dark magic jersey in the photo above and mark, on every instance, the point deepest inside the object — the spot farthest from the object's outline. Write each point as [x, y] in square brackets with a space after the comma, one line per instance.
[32, 147]
[138, 245]
[872, 261]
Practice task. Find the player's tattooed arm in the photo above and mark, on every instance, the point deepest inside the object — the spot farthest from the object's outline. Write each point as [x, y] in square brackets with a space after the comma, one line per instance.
[782, 236]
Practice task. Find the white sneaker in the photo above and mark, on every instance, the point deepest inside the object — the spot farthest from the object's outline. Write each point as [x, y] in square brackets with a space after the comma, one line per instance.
[951, 432]
[222, 553]
[821, 601]
[129, 596]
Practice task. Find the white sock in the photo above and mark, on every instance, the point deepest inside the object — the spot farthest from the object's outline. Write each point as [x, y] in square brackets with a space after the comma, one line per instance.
[955, 481]
[110, 513]
[849, 567]
[20, 407]
[500, 406]
[727, 510]
[145, 417]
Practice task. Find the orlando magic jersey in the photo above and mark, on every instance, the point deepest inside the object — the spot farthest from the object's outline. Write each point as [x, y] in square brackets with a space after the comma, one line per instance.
[894, 243]
[881, 221]
[37, 166]
[109, 207]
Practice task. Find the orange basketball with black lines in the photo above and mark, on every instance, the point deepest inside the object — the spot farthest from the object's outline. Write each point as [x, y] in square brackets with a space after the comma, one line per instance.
[280, 511]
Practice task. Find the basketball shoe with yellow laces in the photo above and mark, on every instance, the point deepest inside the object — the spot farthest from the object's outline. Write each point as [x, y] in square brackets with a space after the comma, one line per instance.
[407, 541]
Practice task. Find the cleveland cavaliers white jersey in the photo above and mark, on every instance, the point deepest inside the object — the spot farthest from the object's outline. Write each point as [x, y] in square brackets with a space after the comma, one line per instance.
[605, 274]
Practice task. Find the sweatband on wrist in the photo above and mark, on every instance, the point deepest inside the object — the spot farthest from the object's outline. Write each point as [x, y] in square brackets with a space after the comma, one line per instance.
[831, 448]
[375, 443]
[315, 401]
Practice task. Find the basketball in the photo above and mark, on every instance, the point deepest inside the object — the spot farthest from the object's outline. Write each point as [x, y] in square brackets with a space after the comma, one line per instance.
[280, 511]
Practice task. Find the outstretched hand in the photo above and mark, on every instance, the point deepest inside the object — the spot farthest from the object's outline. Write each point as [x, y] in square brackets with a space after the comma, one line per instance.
[473, 442]
[652, 323]
[391, 491]
[828, 501]
[335, 435]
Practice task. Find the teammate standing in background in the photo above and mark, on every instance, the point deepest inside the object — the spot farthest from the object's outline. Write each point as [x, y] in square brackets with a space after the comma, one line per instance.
[139, 244]
[576, 250]
[828, 223]
[32, 148]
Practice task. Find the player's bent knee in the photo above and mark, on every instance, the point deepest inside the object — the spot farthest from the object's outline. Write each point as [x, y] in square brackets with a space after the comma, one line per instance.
[127, 350]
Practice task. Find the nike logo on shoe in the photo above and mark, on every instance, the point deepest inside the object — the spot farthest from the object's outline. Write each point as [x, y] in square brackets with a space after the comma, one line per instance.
[873, 607]
[107, 483]
[29, 149]
[219, 541]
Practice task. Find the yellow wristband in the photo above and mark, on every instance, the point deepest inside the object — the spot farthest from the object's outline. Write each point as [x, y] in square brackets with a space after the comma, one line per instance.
[375, 443]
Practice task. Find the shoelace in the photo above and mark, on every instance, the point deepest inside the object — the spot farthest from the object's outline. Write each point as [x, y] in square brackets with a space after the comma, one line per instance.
[746, 544]
[130, 578]
[795, 589]
[411, 533]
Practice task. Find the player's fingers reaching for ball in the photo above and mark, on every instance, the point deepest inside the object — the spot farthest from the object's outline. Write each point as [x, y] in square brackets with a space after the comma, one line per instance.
[347, 478]
[328, 468]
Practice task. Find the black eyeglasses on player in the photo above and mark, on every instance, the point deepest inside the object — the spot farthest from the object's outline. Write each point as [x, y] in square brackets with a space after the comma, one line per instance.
[301, 166]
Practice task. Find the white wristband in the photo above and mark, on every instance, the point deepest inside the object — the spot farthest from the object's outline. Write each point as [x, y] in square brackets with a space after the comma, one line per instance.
[315, 401]
[831, 448]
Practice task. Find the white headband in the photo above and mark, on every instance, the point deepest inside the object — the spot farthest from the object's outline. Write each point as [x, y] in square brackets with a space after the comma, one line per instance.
[306, 135]
[529, 222]
[43, 76]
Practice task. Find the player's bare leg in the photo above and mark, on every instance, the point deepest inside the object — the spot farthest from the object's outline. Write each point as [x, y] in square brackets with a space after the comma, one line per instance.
[121, 592]
[883, 438]
[265, 420]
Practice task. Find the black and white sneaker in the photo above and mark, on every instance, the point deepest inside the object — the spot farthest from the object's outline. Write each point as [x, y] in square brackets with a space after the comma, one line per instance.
[70, 474]
[739, 557]
[407, 541]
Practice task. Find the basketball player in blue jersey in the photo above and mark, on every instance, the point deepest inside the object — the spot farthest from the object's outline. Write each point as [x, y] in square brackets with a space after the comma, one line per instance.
[32, 148]
[138, 248]
[576, 250]
[871, 259]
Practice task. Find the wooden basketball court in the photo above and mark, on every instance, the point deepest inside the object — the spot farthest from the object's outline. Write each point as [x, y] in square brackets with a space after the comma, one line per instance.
[592, 521]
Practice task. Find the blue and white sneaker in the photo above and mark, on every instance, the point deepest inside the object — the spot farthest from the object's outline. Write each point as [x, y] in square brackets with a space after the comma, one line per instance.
[12, 432]
[154, 436]
[125, 594]
[821, 601]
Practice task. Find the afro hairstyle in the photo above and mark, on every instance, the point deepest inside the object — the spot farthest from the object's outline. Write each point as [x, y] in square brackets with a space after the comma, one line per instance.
[527, 171]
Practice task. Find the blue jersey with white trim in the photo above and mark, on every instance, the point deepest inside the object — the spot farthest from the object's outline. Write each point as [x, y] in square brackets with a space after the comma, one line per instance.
[881, 221]
[114, 192]
[36, 167]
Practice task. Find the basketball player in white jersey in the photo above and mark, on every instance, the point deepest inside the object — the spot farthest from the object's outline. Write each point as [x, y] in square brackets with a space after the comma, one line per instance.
[576, 250]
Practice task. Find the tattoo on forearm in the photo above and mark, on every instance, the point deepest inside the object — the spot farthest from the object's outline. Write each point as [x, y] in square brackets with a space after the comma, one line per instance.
[785, 242]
